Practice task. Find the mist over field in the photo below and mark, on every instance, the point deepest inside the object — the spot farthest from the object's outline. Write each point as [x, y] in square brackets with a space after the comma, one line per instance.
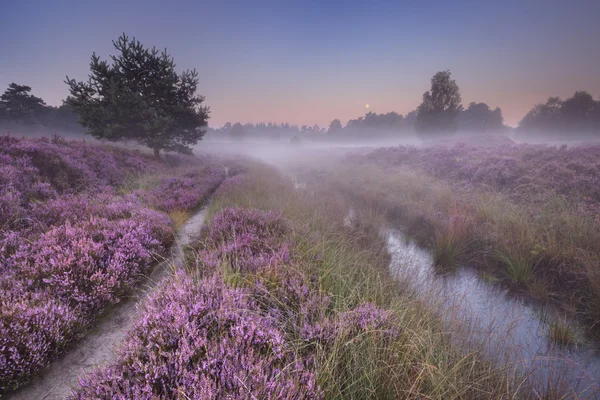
[336, 200]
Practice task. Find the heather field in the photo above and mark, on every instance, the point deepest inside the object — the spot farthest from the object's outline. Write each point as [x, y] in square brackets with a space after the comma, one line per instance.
[281, 298]
[270, 200]
[79, 226]
[524, 215]
[292, 289]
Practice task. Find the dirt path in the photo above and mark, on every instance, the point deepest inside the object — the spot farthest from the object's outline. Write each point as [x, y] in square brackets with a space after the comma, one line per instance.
[99, 345]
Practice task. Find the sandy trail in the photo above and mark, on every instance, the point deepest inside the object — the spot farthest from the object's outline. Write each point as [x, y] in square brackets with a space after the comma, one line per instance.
[99, 345]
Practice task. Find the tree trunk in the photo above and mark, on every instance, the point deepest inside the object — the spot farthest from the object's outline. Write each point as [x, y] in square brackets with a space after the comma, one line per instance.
[157, 152]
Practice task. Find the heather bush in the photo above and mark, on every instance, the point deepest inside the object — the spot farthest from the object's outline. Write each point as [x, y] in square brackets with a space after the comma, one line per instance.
[245, 240]
[90, 263]
[69, 165]
[70, 245]
[186, 192]
[203, 340]
[55, 282]
[34, 327]
[526, 173]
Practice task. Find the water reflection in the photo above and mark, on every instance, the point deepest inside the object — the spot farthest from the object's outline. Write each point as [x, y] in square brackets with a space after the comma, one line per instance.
[507, 326]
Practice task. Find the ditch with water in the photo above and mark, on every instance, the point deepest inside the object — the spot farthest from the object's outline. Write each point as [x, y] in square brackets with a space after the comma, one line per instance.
[507, 327]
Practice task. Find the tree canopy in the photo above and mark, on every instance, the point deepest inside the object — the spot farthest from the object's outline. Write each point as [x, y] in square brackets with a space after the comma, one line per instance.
[237, 131]
[18, 104]
[575, 116]
[139, 96]
[439, 111]
[479, 117]
[334, 126]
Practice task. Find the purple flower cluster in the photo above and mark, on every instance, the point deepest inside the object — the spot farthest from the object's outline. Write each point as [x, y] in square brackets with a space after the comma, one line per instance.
[186, 192]
[53, 282]
[33, 170]
[72, 165]
[246, 240]
[202, 338]
[69, 245]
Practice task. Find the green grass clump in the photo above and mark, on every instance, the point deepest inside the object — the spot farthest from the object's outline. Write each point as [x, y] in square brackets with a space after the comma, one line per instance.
[561, 333]
[517, 268]
[449, 248]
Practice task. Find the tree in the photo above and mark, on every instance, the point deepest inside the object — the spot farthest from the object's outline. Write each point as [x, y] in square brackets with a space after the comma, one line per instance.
[19, 105]
[237, 131]
[478, 117]
[577, 112]
[335, 126]
[441, 106]
[411, 117]
[140, 96]
[576, 116]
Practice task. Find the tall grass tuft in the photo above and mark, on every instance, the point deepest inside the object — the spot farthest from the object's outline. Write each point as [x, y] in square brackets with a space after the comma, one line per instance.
[516, 267]
[451, 242]
[447, 249]
[561, 333]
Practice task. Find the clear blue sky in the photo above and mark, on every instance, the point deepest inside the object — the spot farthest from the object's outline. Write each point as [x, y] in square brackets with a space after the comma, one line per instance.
[312, 61]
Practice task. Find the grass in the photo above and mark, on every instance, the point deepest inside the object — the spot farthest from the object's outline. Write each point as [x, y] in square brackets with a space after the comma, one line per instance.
[349, 264]
[487, 277]
[517, 269]
[553, 238]
[561, 333]
[449, 246]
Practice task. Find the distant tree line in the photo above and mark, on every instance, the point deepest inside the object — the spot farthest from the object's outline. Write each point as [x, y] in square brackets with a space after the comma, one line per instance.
[441, 112]
[140, 97]
[21, 111]
[576, 117]
[265, 131]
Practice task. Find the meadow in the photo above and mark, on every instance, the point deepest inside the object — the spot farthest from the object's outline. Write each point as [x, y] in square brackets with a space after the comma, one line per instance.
[525, 215]
[286, 293]
[281, 298]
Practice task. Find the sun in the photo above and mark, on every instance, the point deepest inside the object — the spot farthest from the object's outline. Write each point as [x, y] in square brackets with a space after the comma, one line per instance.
[367, 106]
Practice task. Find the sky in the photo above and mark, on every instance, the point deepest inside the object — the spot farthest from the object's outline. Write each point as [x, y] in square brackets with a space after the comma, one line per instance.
[308, 62]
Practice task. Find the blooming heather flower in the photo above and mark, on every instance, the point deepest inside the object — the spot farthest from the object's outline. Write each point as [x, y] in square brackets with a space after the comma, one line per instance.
[203, 340]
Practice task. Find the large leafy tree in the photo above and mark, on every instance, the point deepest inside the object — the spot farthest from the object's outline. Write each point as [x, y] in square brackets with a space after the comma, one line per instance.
[576, 116]
[139, 96]
[441, 106]
[237, 131]
[19, 105]
[335, 126]
[479, 117]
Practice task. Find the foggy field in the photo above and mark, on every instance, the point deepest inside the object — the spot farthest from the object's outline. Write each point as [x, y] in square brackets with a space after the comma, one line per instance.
[300, 200]
[320, 273]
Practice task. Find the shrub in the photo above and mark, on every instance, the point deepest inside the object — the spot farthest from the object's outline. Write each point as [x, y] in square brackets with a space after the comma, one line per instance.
[203, 340]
